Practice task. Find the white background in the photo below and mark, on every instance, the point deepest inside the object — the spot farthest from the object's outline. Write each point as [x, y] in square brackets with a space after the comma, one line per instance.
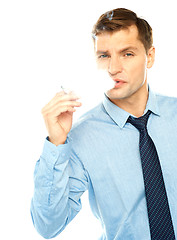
[44, 44]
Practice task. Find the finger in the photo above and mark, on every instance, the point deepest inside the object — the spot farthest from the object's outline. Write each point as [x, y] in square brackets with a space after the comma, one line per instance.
[60, 107]
[58, 104]
[59, 97]
[64, 105]
[69, 96]
[57, 112]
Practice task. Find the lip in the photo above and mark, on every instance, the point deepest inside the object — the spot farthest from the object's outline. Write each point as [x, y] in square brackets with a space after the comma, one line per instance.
[118, 83]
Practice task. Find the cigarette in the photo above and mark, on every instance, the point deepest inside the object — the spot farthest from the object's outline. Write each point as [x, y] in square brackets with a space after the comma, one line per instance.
[65, 90]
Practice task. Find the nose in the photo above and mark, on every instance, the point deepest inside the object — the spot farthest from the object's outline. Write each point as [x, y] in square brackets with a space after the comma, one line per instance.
[115, 66]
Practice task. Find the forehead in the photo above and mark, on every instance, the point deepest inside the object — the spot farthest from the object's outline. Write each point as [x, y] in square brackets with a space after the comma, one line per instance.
[118, 39]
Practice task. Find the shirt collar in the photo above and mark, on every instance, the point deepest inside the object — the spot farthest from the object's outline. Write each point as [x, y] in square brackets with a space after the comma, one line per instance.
[120, 116]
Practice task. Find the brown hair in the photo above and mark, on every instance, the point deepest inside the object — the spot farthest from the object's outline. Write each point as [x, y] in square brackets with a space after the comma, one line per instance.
[122, 18]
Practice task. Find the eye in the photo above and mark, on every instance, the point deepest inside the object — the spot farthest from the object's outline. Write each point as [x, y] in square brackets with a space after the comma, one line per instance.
[129, 54]
[103, 56]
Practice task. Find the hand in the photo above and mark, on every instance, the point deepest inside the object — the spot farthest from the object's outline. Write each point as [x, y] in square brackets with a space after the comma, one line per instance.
[58, 116]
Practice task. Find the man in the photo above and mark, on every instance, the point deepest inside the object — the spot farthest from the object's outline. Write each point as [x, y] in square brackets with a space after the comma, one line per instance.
[102, 154]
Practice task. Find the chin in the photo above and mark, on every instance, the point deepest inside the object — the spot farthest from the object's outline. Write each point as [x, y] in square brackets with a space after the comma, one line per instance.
[115, 94]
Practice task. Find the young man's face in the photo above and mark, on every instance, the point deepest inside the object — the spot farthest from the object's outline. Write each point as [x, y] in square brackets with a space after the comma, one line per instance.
[124, 57]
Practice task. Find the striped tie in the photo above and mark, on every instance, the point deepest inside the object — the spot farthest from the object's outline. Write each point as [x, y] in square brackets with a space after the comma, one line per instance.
[160, 222]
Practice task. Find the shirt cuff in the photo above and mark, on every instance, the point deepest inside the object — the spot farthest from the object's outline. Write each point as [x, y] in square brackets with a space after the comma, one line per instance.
[55, 154]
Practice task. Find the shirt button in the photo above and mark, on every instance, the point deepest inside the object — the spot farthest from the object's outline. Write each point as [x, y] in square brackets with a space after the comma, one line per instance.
[53, 154]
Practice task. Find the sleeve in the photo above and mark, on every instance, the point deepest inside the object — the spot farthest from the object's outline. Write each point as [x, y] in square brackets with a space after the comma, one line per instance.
[59, 181]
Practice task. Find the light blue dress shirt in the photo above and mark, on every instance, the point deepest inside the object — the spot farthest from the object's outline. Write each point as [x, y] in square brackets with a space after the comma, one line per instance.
[101, 155]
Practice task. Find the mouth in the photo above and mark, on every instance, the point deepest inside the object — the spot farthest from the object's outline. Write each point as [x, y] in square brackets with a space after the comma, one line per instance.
[118, 83]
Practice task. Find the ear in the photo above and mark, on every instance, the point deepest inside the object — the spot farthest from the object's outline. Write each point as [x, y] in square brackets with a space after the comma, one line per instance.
[150, 57]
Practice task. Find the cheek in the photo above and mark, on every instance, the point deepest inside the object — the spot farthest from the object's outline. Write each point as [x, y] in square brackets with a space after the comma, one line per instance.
[102, 64]
[138, 71]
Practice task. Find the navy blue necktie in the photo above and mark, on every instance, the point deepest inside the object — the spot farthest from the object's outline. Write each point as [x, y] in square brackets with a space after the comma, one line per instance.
[160, 222]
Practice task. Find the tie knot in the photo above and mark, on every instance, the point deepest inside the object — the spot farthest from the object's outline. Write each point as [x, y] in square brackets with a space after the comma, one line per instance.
[141, 122]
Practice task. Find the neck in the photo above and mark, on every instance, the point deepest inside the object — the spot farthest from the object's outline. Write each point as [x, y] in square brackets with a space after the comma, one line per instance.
[136, 103]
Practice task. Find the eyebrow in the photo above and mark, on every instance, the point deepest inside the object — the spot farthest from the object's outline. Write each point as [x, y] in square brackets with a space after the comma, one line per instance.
[130, 48]
[101, 52]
